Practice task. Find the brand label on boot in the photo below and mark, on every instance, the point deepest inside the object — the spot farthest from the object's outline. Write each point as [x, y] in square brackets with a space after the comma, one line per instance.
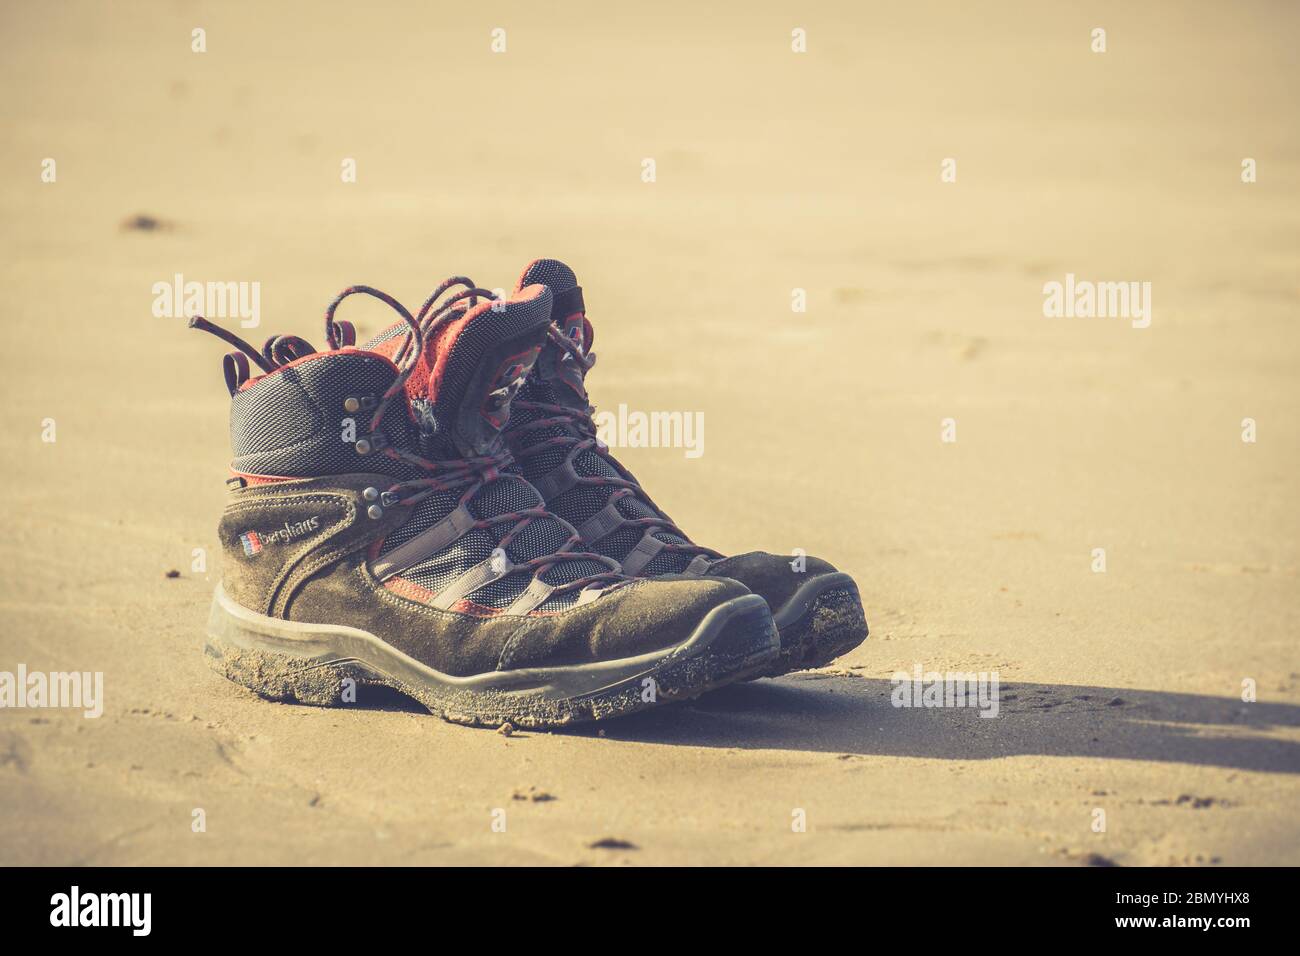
[255, 541]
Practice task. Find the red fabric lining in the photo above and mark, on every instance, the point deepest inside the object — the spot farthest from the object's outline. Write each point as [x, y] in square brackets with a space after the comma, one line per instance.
[409, 589]
[389, 346]
[412, 591]
[440, 348]
[466, 606]
[260, 479]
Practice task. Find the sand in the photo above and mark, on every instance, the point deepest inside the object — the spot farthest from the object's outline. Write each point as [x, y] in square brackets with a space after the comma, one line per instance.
[775, 171]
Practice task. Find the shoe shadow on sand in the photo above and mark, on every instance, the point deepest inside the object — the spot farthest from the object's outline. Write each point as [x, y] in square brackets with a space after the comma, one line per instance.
[853, 715]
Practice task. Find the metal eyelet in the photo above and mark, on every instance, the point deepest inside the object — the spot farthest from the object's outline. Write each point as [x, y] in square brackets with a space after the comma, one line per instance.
[375, 512]
[358, 403]
[371, 494]
[362, 447]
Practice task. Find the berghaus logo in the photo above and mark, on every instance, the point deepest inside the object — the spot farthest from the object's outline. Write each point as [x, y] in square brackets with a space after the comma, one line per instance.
[254, 541]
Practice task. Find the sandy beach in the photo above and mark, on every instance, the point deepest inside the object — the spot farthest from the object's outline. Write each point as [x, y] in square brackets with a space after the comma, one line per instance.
[775, 172]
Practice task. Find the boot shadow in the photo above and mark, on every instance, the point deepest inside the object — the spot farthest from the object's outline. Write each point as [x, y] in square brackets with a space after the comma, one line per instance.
[854, 716]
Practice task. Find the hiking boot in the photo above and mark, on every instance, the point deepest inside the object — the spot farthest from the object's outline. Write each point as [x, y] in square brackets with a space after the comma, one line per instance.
[551, 432]
[375, 536]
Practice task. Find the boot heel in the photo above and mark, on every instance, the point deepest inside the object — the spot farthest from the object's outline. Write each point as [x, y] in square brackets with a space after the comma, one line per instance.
[307, 675]
[280, 677]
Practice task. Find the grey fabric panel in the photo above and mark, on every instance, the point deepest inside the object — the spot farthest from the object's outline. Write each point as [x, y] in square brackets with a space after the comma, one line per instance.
[425, 544]
[604, 521]
[641, 555]
[587, 595]
[535, 594]
[699, 564]
[490, 569]
[556, 482]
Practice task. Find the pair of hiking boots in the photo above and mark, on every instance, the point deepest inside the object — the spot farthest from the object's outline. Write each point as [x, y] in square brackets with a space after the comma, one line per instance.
[434, 512]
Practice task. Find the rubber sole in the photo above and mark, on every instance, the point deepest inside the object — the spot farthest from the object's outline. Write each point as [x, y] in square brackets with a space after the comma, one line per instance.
[823, 620]
[324, 664]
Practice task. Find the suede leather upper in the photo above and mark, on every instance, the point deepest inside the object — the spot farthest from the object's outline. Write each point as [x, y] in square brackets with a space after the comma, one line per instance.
[323, 576]
[770, 575]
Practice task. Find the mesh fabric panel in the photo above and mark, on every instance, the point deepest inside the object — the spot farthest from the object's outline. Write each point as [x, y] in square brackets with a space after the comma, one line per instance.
[581, 502]
[290, 423]
[549, 272]
[426, 514]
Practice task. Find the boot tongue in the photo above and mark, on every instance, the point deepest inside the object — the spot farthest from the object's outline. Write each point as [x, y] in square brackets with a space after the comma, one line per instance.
[461, 388]
[558, 374]
[472, 369]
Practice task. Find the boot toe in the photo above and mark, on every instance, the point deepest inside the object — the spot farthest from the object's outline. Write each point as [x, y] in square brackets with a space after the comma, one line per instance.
[643, 617]
[774, 577]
